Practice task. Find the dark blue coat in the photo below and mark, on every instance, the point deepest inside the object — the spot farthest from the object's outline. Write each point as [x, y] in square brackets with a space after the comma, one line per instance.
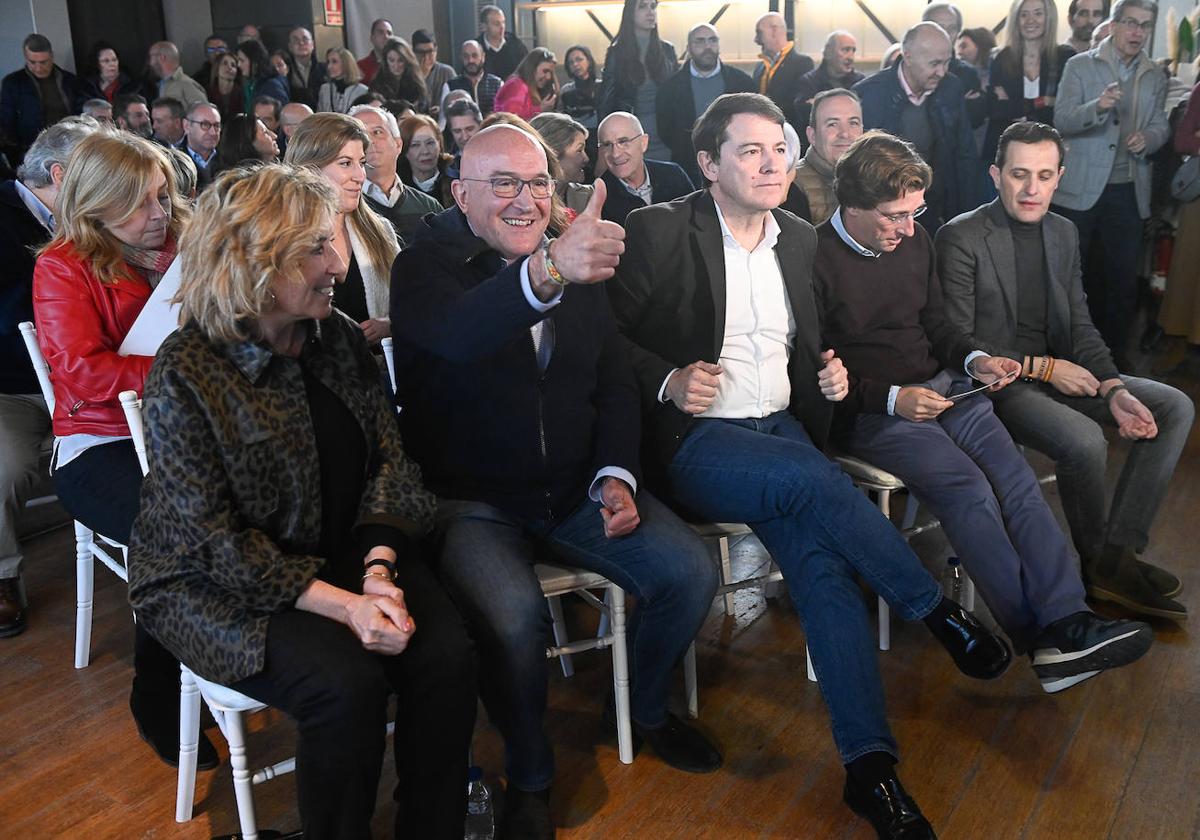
[21, 114]
[20, 233]
[668, 182]
[956, 168]
[477, 415]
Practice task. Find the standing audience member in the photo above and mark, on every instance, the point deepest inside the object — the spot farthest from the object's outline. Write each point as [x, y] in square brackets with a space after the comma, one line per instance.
[132, 115]
[532, 88]
[384, 191]
[502, 50]
[1010, 271]
[835, 122]
[1026, 72]
[424, 161]
[245, 141]
[290, 116]
[463, 119]
[100, 110]
[880, 306]
[475, 80]
[1111, 113]
[399, 77]
[436, 75]
[334, 146]
[633, 179]
[368, 66]
[500, 367]
[780, 67]
[974, 47]
[1180, 312]
[118, 221]
[298, 606]
[343, 85]
[173, 83]
[38, 95]
[214, 46]
[949, 17]
[225, 86]
[251, 32]
[203, 136]
[306, 74]
[921, 103]
[836, 70]
[714, 297]
[166, 118]
[258, 76]
[102, 77]
[27, 221]
[1083, 16]
[686, 95]
[636, 64]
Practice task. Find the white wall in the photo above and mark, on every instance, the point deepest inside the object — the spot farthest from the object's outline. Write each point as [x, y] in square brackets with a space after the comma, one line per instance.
[188, 23]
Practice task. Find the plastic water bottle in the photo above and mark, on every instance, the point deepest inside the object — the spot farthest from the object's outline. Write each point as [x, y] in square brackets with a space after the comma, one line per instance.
[957, 586]
[480, 823]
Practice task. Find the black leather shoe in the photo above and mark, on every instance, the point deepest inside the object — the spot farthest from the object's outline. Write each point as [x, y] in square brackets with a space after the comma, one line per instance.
[526, 815]
[978, 652]
[889, 809]
[12, 614]
[681, 746]
[157, 719]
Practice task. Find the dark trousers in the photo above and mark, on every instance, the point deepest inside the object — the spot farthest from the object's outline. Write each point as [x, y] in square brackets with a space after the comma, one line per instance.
[102, 489]
[1112, 297]
[318, 672]
[967, 469]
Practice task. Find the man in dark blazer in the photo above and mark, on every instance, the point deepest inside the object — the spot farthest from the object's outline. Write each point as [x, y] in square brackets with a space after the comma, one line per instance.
[520, 406]
[632, 180]
[686, 94]
[1011, 275]
[714, 297]
[836, 70]
[37, 95]
[780, 66]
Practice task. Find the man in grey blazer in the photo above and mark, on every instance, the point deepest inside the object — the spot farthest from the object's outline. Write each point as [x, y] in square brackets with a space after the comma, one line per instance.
[1110, 108]
[1011, 279]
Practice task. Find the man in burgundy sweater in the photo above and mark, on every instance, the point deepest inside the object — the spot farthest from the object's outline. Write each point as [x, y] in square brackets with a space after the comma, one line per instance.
[909, 412]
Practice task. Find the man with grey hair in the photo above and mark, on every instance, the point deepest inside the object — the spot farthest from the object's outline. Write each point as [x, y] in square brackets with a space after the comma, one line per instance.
[290, 116]
[949, 17]
[920, 101]
[385, 193]
[173, 83]
[1111, 113]
[26, 223]
[306, 74]
[634, 181]
[98, 109]
[685, 95]
[836, 70]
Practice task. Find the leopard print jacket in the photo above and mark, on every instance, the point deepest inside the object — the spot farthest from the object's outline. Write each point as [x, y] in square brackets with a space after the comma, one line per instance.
[230, 514]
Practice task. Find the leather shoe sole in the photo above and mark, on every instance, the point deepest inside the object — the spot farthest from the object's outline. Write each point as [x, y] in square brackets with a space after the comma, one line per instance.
[1163, 608]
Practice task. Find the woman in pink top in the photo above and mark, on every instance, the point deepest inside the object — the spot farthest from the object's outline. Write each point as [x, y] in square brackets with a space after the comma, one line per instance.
[532, 88]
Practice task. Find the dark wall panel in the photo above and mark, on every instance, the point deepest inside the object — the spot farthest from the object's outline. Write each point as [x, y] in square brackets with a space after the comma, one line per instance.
[129, 25]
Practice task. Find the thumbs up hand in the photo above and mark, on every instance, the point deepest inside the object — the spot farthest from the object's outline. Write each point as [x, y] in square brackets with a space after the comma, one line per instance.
[591, 248]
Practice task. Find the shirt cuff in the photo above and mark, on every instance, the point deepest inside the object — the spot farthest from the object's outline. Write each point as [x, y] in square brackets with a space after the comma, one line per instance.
[893, 392]
[662, 391]
[530, 297]
[972, 356]
[611, 472]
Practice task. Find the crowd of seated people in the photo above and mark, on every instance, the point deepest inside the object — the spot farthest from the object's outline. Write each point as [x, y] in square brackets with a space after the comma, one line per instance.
[664, 291]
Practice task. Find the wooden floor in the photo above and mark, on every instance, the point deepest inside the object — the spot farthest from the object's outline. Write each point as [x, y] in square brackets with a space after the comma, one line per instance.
[1118, 756]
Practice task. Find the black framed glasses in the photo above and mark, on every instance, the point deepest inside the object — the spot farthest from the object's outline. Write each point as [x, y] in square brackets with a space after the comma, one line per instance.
[506, 186]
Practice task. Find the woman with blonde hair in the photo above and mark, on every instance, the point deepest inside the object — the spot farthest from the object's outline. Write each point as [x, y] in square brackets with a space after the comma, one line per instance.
[277, 547]
[1024, 76]
[119, 217]
[343, 87]
[335, 146]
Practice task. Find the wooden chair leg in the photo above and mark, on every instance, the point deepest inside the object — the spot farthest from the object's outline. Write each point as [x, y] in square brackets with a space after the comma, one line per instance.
[84, 588]
[189, 738]
[560, 634]
[620, 659]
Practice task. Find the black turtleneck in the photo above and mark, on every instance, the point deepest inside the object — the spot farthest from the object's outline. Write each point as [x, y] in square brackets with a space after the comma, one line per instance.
[1032, 287]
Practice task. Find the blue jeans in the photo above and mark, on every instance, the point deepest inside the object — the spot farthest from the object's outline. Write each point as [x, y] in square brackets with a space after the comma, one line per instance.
[821, 531]
[486, 564]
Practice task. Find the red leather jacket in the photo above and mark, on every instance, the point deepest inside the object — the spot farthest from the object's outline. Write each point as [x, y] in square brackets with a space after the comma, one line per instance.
[81, 322]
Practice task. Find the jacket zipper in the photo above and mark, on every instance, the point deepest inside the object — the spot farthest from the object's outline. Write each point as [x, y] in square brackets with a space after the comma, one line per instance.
[78, 405]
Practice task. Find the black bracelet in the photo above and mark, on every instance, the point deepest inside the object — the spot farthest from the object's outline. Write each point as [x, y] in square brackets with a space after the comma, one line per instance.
[1112, 392]
[387, 564]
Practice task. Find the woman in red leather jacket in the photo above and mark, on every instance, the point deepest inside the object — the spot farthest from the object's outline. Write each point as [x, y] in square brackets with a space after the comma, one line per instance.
[118, 219]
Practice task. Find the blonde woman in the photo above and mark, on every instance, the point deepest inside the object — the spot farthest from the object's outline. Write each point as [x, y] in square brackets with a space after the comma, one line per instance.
[335, 146]
[118, 220]
[344, 85]
[277, 548]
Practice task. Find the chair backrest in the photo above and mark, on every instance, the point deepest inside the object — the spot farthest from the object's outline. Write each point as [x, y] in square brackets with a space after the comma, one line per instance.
[385, 344]
[29, 333]
[132, 407]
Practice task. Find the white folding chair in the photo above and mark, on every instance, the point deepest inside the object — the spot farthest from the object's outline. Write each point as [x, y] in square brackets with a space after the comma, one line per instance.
[90, 547]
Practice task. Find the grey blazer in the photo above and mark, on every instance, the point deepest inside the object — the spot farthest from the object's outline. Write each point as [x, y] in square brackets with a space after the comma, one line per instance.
[977, 265]
[1092, 137]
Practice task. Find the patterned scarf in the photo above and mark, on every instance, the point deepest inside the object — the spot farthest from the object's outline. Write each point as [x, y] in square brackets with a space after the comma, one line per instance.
[151, 263]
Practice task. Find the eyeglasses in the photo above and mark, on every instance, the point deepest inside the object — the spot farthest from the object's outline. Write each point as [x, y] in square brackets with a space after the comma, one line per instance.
[901, 218]
[505, 186]
[205, 125]
[1130, 23]
[621, 143]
